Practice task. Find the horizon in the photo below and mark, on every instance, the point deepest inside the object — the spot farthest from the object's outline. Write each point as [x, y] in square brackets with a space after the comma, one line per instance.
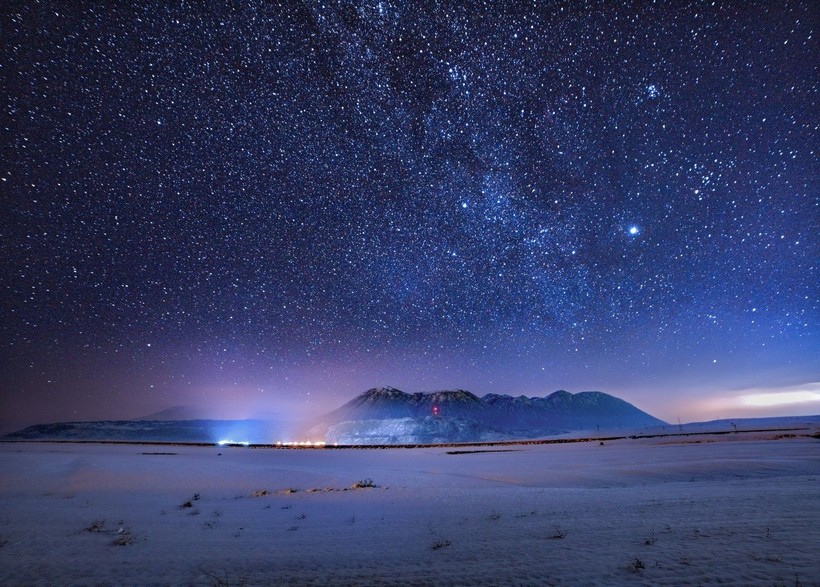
[274, 206]
[746, 406]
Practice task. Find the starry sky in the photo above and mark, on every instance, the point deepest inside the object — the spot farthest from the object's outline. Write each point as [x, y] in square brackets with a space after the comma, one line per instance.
[271, 207]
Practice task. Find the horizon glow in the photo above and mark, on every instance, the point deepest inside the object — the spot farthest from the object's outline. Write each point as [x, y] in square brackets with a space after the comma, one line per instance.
[762, 400]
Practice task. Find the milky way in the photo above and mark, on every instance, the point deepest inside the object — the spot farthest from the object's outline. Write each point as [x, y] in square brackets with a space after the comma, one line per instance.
[291, 202]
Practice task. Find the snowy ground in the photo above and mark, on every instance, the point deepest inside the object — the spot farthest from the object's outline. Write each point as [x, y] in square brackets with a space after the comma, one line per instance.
[739, 509]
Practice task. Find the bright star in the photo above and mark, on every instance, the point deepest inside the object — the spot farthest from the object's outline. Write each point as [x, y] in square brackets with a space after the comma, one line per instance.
[633, 230]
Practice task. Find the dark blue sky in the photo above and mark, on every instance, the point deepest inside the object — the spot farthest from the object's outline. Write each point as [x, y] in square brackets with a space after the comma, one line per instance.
[274, 206]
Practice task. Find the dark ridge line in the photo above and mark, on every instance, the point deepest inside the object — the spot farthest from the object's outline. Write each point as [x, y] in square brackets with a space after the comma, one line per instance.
[99, 441]
[404, 446]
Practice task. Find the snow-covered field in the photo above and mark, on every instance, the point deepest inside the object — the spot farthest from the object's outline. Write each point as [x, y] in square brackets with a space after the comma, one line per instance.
[740, 509]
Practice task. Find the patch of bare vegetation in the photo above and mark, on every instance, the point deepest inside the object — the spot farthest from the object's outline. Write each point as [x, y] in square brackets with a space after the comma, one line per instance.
[122, 535]
[97, 526]
[473, 452]
[769, 558]
[366, 483]
[439, 541]
[526, 514]
[223, 579]
[189, 503]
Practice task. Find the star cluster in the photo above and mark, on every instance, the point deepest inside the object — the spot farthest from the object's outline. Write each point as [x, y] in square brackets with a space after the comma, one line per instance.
[278, 199]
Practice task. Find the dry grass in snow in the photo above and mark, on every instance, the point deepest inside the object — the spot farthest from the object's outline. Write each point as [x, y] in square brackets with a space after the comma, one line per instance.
[742, 510]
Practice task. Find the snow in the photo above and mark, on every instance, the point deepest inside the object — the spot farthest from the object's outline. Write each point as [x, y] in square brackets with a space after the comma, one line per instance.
[739, 508]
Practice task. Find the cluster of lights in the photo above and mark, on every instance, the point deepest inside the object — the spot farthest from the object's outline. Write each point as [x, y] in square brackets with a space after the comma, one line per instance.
[233, 442]
[304, 443]
[318, 443]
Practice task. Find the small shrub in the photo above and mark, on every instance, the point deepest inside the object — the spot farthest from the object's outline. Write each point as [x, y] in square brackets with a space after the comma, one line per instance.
[559, 533]
[124, 537]
[365, 483]
[438, 544]
[637, 565]
[260, 493]
[224, 580]
[526, 514]
[190, 502]
[96, 526]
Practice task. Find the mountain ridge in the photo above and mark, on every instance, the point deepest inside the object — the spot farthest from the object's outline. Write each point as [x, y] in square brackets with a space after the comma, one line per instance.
[387, 415]
[383, 415]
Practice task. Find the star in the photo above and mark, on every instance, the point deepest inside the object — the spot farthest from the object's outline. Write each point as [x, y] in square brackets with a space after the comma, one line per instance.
[402, 191]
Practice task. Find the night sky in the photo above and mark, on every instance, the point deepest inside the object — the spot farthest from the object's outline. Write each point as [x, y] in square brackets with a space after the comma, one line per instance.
[275, 206]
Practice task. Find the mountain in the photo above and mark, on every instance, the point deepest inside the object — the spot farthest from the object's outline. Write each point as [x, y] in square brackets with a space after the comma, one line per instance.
[388, 402]
[588, 410]
[385, 415]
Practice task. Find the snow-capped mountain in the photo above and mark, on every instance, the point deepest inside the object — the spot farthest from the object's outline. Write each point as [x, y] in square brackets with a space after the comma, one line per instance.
[388, 402]
[385, 415]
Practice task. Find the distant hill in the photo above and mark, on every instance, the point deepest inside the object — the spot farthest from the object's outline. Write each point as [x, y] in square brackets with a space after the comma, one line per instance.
[180, 413]
[257, 431]
[385, 415]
